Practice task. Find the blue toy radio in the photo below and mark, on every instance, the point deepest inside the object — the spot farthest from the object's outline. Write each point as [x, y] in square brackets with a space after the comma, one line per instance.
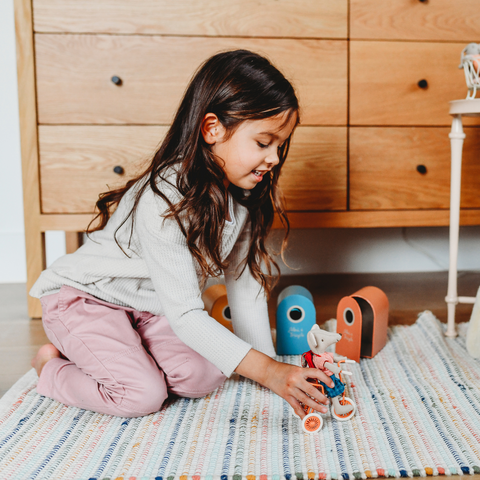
[295, 317]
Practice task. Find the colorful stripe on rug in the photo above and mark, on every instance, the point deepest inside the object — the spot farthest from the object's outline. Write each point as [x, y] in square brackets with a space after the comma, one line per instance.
[418, 414]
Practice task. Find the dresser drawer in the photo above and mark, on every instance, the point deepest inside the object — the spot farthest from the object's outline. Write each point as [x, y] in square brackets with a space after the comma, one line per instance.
[266, 18]
[77, 162]
[384, 83]
[439, 20]
[74, 74]
[385, 166]
[314, 176]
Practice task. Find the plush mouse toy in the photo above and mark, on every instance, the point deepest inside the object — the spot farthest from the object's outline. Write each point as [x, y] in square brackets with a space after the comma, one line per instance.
[318, 357]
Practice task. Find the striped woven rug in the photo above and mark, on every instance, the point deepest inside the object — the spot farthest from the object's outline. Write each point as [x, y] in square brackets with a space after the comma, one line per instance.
[418, 414]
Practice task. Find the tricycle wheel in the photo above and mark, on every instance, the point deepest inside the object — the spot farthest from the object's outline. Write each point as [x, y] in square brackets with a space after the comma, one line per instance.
[312, 423]
[347, 416]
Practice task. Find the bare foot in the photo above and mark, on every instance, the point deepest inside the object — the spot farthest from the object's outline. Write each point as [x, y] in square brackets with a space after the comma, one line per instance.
[44, 354]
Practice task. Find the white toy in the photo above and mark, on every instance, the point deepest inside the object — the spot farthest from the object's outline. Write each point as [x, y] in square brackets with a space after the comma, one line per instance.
[343, 408]
[470, 62]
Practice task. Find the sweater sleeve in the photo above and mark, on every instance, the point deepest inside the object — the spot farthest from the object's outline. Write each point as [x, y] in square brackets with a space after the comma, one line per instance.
[247, 300]
[173, 273]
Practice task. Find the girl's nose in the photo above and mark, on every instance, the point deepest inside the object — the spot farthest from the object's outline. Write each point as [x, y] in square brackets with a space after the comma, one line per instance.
[273, 159]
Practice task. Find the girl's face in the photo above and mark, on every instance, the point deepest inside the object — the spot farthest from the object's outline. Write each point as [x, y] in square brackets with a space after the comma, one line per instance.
[252, 150]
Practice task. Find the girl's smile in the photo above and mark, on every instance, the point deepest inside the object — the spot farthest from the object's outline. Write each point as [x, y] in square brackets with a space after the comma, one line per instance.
[251, 151]
[259, 174]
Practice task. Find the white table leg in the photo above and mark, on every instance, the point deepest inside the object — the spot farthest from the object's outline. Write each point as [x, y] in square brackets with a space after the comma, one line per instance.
[456, 141]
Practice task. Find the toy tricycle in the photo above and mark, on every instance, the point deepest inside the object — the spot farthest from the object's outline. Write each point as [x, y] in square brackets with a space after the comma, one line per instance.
[313, 421]
[343, 408]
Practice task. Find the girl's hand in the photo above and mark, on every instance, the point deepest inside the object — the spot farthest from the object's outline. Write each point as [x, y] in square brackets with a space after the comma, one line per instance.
[288, 381]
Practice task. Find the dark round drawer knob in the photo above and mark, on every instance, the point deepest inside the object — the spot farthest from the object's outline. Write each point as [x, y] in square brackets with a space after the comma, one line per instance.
[422, 169]
[423, 1]
[117, 80]
[422, 84]
[118, 169]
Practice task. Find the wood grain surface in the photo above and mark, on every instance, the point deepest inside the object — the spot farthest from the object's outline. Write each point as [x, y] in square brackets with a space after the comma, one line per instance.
[334, 219]
[74, 76]
[76, 165]
[383, 168]
[384, 80]
[439, 20]
[314, 176]
[256, 18]
[378, 218]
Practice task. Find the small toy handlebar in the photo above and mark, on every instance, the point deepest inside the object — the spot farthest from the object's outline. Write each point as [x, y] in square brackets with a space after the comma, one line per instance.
[346, 372]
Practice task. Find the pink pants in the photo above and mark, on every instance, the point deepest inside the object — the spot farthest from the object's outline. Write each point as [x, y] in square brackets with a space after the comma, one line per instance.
[118, 361]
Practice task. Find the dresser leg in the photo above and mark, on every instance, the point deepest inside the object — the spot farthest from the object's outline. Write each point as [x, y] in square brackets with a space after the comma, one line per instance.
[35, 255]
[456, 142]
[73, 241]
[27, 107]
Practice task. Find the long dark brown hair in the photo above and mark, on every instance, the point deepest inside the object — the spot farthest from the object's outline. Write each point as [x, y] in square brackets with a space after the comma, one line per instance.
[236, 86]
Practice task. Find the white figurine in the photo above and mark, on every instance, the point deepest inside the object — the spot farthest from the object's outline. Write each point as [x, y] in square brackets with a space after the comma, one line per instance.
[470, 62]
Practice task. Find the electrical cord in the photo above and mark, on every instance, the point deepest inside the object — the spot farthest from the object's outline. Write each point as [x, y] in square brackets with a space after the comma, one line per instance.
[421, 250]
[431, 257]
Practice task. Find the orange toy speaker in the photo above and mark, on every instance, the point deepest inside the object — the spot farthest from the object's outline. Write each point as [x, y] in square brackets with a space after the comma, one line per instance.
[362, 319]
[216, 304]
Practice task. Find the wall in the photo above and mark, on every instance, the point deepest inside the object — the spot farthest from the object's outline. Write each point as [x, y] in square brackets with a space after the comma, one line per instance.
[12, 244]
[379, 250]
[310, 251]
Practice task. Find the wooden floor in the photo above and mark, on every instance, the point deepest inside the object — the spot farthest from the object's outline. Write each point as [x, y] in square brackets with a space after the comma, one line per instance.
[408, 294]
[20, 337]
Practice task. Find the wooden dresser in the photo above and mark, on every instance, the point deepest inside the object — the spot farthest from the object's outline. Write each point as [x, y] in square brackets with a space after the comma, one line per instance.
[99, 81]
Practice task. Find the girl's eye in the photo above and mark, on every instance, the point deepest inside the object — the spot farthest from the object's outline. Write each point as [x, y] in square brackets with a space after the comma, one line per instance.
[262, 145]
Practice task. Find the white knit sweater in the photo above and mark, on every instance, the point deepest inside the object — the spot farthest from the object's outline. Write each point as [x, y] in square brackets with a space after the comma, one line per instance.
[160, 276]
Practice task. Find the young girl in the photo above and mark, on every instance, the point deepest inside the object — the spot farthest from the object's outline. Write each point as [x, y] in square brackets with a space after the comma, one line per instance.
[124, 312]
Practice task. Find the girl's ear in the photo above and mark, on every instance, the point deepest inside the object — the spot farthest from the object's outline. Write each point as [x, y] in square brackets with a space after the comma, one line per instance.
[212, 129]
